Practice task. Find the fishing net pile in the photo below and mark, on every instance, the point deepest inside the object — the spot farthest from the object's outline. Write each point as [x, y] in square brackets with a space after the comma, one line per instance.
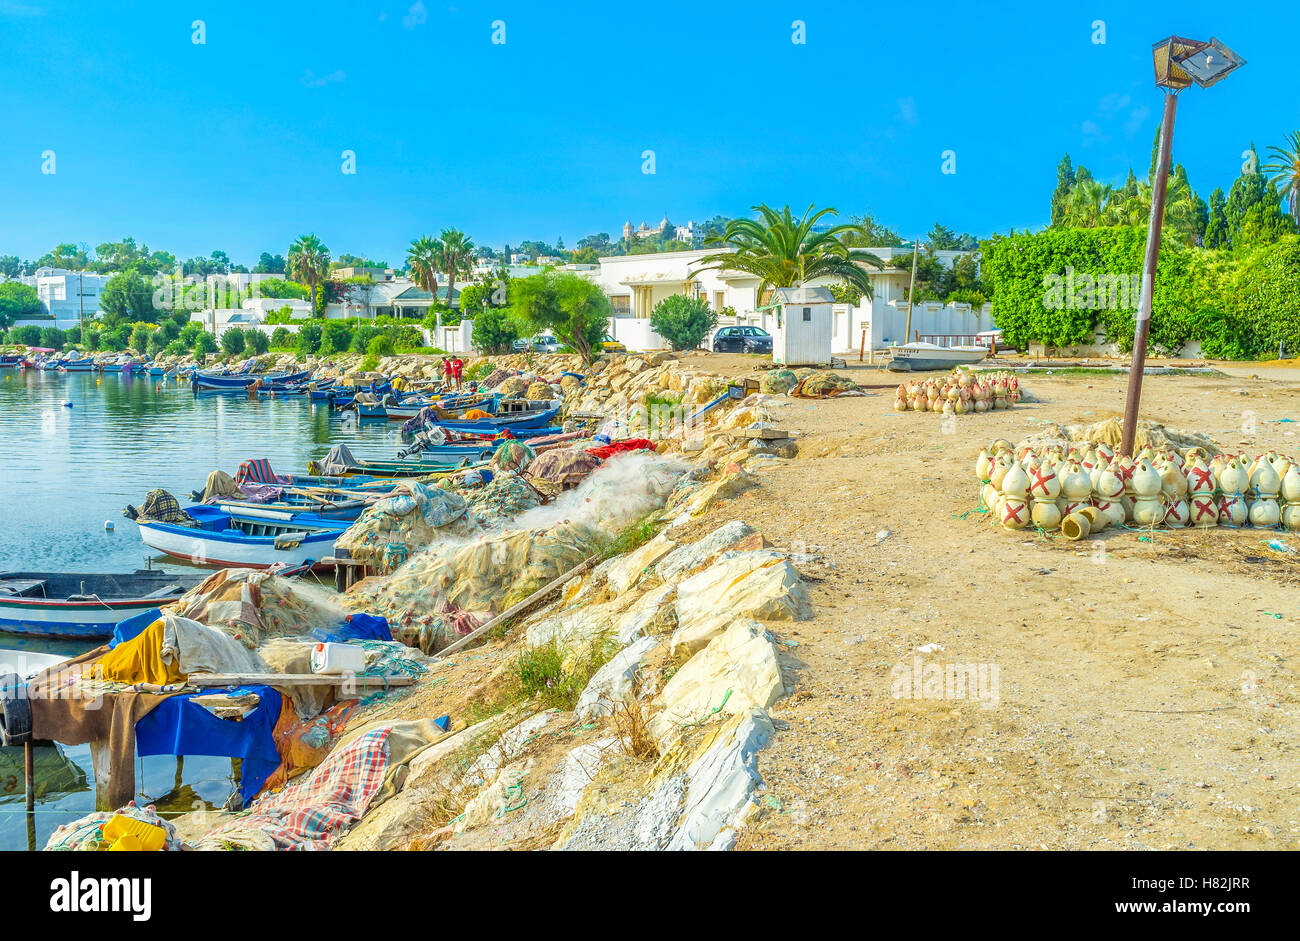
[410, 518]
[511, 456]
[778, 381]
[252, 606]
[502, 498]
[565, 467]
[822, 385]
[1111, 431]
[486, 575]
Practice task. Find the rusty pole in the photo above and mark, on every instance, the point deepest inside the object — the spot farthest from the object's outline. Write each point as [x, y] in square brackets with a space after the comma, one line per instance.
[1143, 326]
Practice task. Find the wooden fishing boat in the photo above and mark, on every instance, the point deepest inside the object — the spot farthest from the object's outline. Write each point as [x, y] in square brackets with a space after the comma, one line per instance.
[77, 605]
[516, 422]
[77, 365]
[922, 357]
[240, 381]
[11, 360]
[231, 539]
[444, 409]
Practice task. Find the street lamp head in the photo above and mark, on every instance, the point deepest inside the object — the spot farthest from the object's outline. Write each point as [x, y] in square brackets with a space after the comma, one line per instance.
[1166, 54]
[1210, 64]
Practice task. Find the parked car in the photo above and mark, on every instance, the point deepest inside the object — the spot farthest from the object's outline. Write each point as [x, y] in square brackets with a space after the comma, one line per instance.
[545, 344]
[742, 340]
[520, 345]
[610, 345]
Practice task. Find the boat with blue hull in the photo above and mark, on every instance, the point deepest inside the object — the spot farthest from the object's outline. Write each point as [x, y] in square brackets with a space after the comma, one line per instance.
[210, 382]
[238, 539]
[83, 606]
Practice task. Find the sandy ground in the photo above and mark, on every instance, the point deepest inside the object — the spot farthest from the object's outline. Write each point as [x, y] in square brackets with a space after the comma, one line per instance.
[1146, 687]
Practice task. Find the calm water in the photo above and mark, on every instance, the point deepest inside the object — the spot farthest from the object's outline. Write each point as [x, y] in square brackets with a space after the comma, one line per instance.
[65, 471]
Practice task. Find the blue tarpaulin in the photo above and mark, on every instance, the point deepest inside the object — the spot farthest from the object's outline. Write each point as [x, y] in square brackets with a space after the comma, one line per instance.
[177, 726]
[356, 627]
[133, 626]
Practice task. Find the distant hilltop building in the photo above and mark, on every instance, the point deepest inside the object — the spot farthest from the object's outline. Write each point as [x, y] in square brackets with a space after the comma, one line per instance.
[645, 231]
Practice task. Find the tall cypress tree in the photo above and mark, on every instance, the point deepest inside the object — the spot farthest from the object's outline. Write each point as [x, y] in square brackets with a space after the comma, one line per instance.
[1064, 181]
[1216, 228]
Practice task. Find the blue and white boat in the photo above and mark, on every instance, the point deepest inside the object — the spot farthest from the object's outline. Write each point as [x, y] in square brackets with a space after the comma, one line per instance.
[82, 606]
[241, 381]
[78, 365]
[242, 540]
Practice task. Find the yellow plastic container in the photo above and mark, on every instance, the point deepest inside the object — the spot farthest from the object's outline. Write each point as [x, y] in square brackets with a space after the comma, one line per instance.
[127, 833]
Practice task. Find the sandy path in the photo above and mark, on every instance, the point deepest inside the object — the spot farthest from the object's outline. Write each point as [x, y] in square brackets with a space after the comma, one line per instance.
[1146, 693]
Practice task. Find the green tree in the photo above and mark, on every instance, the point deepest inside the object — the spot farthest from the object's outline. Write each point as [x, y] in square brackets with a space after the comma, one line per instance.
[282, 338]
[381, 345]
[269, 264]
[573, 308]
[308, 341]
[683, 321]
[256, 341]
[423, 260]
[127, 298]
[335, 337]
[309, 263]
[204, 343]
[784, 252]
[494, 332]
[457, 257]
[233, 341]
[1285, 169]
[17, 301]
[1060, 195]
[1216, 226]
[140, 338]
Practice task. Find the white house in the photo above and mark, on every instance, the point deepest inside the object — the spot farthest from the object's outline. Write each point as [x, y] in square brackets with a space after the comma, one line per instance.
[68, 296]
[636, 283]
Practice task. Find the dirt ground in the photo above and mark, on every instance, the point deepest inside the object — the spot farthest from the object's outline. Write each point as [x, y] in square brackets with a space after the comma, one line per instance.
[1145, 687]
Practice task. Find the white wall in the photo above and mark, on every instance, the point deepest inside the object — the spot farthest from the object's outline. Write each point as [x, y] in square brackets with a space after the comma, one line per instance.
[636, 335]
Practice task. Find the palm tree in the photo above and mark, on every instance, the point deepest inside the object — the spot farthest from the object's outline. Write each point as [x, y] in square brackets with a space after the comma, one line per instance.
[783, 252]
[423, 259]
[1086, 204]
[457, 256]
[309, 263]
[1285, 171]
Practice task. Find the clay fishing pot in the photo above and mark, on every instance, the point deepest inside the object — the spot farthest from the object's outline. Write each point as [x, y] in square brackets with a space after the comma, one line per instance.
[949, 408]
[1097, 520]
[1106, 451]
[1014, 512]
[1045, 514]
[1112, 509]
[918, 402]
[1108, 485]
[1291, 516]
[1173, 483]
[1148, 511]
[1075, 484]
[1199, 478]
[1002, 444]
[1178, 512]
[1291, 485]
[1075, 527]
[1001, 464]
[1232, 479]
[1146, 482]
[900, 405]
[1015, 482]
[1264, 512]
[988, 495]
[1264, 480]
[1232, 511]
[1043, 482]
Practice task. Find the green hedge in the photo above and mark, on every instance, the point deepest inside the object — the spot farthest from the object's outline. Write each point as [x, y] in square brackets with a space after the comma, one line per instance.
[1236, 305]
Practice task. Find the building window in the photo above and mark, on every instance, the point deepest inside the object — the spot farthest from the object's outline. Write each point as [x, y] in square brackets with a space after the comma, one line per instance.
[622, 304]
[807, 315]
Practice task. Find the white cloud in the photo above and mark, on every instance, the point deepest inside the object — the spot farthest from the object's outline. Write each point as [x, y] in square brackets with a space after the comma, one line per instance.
[417, 15]
[313, 81]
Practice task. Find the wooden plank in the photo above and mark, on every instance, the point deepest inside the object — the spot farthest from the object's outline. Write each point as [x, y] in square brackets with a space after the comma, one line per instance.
[515, 609]
[299, 679]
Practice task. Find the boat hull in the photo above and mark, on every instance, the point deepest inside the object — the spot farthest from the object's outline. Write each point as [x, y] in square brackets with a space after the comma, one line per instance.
[82, 619]
[206, 547]
[914, 359]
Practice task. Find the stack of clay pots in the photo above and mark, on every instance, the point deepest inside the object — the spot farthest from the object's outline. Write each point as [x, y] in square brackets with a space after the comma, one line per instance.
[1083, 488]
[959, 393]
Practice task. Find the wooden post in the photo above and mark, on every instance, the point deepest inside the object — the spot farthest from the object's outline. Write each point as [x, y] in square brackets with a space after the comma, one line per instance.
[862, 351]
[29, 774]
[110, 792]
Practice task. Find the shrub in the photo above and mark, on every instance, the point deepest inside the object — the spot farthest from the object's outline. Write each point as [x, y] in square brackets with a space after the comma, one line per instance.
[233, 341]
[308, 342]
[381, 345]
[204, 343]
[140, 338]
[683, 321]
[256, 341]
[335, 337]
[494, 332]
[282, 339]
[27, 335]
[176, 348]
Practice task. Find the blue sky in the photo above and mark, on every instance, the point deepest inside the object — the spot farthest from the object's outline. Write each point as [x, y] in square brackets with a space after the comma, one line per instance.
[237, 144]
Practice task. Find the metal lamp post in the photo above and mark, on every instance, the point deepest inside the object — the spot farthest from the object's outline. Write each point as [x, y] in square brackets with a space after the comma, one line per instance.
[1178, 63]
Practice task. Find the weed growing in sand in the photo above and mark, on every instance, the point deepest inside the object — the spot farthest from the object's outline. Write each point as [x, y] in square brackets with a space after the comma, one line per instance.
[558, 676]
[634, 537]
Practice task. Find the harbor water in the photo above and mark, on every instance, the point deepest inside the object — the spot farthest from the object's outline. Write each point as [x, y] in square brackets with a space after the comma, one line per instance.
[75, 449]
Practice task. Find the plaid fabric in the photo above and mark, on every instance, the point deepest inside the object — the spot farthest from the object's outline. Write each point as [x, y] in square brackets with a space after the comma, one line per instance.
[161, 507]
[311, 813]
[258, 472]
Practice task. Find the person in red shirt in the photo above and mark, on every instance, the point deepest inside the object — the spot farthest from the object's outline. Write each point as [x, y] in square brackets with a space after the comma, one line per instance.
[457, 370]
[446, 372]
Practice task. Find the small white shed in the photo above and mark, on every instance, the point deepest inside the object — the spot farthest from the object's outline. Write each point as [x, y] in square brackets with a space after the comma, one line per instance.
[802, 333]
